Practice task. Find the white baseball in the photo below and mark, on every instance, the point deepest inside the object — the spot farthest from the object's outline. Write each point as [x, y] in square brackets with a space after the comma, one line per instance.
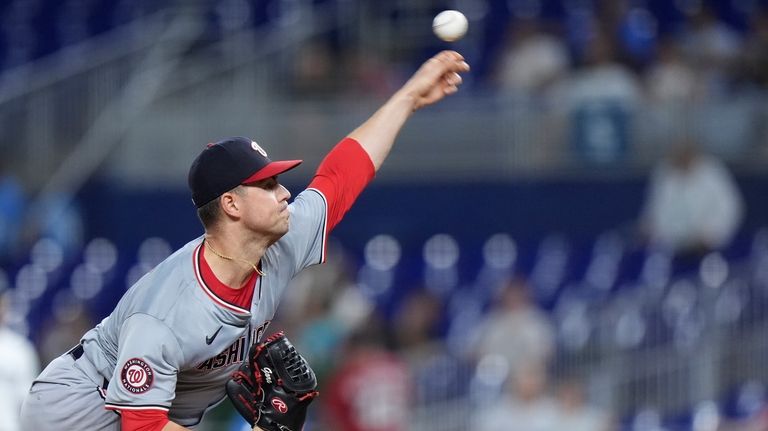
[450, 25]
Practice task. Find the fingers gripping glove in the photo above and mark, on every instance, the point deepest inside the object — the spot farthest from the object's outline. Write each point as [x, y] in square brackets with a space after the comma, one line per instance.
[273, 389]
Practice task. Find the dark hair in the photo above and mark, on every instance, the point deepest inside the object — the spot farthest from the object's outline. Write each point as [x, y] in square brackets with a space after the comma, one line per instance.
[209, 213]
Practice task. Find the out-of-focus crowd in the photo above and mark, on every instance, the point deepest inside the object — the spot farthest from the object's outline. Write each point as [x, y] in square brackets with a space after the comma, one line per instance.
[399, 372]
[600, 49]
[626, 55]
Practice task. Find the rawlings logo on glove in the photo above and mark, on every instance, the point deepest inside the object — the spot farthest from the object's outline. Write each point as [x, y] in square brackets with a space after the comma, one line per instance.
[273, 389]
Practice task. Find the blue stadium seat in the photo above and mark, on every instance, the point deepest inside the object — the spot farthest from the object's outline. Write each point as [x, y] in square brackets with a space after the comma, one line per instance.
[550, 268]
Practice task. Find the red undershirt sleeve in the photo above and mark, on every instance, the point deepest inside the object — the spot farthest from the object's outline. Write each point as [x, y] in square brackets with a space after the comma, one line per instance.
[143, 420]
[341, 177]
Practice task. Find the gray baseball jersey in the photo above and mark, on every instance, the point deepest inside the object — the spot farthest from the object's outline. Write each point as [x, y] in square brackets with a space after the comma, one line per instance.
[171, 343]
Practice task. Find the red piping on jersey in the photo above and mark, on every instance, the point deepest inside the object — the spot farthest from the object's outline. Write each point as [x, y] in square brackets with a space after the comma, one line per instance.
[137, 408]
[242, 297]
[325, 224]
[206, 289]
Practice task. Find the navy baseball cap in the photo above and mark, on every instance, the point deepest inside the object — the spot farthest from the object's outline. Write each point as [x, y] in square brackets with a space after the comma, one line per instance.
[228, 163]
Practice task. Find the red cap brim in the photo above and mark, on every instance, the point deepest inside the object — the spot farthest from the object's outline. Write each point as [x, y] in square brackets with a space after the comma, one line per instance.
[272, 169]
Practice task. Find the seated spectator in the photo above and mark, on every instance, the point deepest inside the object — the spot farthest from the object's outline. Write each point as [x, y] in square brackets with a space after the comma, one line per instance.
[600, 99]
[436, 373]
[516, 329]
[370, 389]
[752, 67]
[712, 47]
[311, 310]
[670, 79]
[416, 325]
[575, 410]
[693, 204]
[601, 78]
[526, 406]
[68, 321]
[532, 59]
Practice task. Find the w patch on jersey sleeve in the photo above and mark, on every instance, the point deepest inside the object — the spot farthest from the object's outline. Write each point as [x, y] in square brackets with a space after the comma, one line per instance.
[136, 376]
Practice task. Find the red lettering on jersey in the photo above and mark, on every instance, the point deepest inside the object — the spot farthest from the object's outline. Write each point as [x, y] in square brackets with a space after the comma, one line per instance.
[207, 365]
[259, 332]
[220, 360]
[235, 353]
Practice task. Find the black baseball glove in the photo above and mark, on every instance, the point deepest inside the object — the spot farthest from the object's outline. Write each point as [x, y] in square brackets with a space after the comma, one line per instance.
[273, 389]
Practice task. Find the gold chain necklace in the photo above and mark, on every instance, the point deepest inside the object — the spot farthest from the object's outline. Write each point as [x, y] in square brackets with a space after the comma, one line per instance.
[252, 265]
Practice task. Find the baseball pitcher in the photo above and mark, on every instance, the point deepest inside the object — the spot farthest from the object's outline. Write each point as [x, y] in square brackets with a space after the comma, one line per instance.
[165, 355]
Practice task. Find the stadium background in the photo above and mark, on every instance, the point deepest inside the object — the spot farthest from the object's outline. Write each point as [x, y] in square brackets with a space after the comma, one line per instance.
[104, 103]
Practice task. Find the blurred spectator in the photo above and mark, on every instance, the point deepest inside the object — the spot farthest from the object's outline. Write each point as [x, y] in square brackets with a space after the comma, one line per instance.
[321, 334]
[693, 204]
[670, 79]
[68, 322]
[314, 69]
[323, 68]
[600, 98]
[532, 60]
[637, 30]
[19, 365]
[367, 74]
[315, 308]
[526, 407]
[370, 389]
[575, 410]
[438, 375]
[753, 59]
[517, 329]
[712, 47]
[11, 210]
[416, 326]
[601, 78]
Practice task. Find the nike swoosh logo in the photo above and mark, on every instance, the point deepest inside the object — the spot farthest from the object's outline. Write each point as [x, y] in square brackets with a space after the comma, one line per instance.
[209, 340]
